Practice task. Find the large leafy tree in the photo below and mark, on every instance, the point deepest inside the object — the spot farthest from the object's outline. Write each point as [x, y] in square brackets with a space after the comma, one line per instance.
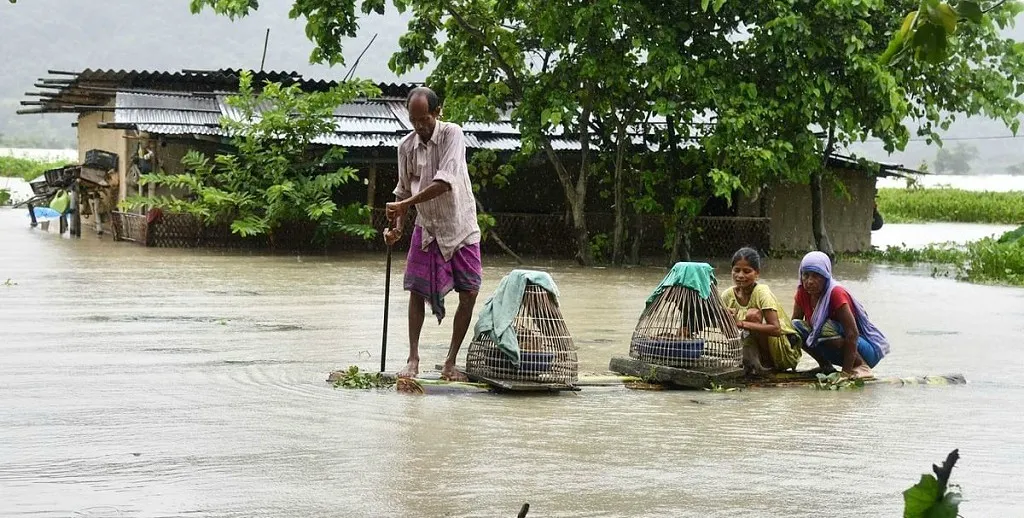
[814, 77]
[585, 71]
[806, 79]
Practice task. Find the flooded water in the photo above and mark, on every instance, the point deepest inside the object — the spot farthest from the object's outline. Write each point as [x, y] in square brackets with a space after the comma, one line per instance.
[994, 182]
[917, 235]
[20, 189]
[145, 382]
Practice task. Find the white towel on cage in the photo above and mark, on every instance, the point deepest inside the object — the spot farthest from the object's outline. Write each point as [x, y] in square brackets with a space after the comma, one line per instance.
[500, 309]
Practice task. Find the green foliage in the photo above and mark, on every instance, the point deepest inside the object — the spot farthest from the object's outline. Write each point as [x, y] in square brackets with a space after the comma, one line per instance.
[275, 175]
[9, 283]
[26, 168]
[954, 205]
[939, 253]
[933, 496]
[600, 246]
[5, 196]
[836, 381]
[984, 261]
[721, 112]
[1016, 235]
[486, 222]
[928, 32]
[353, 378]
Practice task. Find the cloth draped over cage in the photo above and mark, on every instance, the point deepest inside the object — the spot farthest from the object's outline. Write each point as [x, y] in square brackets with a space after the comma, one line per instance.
[686, 325]
[696, 276]
[500, 310]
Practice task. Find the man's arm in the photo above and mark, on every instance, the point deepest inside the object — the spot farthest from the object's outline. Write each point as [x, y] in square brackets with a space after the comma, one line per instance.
[451, 164]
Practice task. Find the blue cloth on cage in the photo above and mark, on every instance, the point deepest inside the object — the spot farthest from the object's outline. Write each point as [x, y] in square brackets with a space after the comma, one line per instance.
[501, 308]
[696, 276]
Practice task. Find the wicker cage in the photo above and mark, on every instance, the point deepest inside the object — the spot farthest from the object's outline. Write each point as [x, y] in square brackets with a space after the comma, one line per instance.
[547, 352]
[682, 329]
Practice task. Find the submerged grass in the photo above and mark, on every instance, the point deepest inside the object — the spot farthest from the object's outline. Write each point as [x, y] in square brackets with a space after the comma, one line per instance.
[951, 205]
[26, 168]
[991, 261]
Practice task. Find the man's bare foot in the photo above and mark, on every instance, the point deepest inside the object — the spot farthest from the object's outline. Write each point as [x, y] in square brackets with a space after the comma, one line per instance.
[451, 373]
[411, 370]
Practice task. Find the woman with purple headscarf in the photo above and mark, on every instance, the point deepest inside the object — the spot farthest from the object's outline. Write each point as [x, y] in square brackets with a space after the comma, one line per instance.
[834, 327]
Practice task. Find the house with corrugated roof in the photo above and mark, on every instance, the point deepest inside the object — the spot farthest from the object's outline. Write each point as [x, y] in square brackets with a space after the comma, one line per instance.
[170, 113]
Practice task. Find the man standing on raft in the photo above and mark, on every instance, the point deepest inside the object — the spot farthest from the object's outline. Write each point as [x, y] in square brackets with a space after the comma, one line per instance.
[444, 251]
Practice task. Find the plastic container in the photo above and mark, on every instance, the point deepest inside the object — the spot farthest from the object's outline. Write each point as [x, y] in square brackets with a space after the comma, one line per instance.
[529, 361]
[682, 349]
[100, 159]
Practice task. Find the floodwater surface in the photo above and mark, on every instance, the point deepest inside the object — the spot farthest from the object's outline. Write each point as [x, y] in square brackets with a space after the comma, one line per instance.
[148, 382]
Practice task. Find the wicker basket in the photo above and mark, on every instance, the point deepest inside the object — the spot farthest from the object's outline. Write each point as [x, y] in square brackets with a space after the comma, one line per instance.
[547, 352]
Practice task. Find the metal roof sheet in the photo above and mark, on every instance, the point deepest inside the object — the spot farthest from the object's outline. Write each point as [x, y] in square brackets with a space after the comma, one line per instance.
[359, 140]
[134, 108]
[179, 129]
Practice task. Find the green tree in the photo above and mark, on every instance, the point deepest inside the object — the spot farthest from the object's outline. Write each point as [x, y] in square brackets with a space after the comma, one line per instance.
[592, 79]
[275, 175]
[832, 85]
[956, 160]
[807, 79]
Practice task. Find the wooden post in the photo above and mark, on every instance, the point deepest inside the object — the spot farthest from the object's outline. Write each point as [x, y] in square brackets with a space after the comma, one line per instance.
[32, 214]
[94, 202]
[76, 208]
[371, 188]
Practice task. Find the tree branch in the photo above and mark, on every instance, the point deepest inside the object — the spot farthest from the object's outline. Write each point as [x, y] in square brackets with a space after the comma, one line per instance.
[581, 182]
[560, 171]
[497, 239]
[994, 7]
[514, 83]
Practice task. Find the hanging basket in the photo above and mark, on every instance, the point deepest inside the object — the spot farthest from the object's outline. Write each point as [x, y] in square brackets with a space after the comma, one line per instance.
[682, 329]
[547, 352]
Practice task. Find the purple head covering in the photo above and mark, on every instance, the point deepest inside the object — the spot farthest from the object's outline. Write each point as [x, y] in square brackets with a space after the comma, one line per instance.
[820, 264]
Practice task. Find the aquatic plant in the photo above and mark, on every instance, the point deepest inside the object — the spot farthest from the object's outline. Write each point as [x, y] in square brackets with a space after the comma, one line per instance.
[998, 261]
[27, 169]
[952, 205]
[715, 387]
[836, 381]
[353, 378]
[5, 196]
[933, 496]
[10, 283]
[1013, 235]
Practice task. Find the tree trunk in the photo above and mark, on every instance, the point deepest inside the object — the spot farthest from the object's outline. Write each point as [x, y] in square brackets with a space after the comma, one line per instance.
[576, 194]
[821, 240]
[681, 239]
[579, 225]
[618, 234]
[638, 233]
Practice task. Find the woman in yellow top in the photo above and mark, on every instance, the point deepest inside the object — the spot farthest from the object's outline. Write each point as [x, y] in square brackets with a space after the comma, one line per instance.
[770, 342]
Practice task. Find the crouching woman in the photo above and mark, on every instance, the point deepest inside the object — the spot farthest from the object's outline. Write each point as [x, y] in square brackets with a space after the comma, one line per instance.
[833, 326]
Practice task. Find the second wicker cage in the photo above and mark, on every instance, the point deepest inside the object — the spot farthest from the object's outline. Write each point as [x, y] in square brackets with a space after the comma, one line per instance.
[547, 352]
[681, 327]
